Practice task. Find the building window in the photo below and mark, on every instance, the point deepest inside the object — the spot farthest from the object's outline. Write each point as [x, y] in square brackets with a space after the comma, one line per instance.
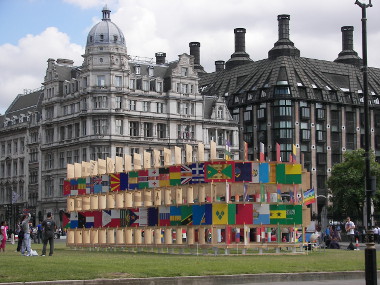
[118, 102]
[15, 172]
[70, 131]
[133, 129]
[160, 108]
[119, 151]
[220, 113]
[146, 106]
[161, 131]
[33, 154]
[101, 152]
[185, 89]
[49, 161]
[151, 70]
[138, 69]
[33, 177]
[84, 154]
[49, 135]
[84, 128]
[77, 130]
[101, 81]
[145, 85]
[132, 105]
[21, 167]
[100, 126]
[49, 112]
[221, 140]
[76, 155]
[185, 132]
[100, 102]
[119, 126]
[69, 157]
[49, 188]
[62, 159]
[184, 71]
[118, 82]
[148, 130]
[15, 147]
[159, 87]
[132, 84]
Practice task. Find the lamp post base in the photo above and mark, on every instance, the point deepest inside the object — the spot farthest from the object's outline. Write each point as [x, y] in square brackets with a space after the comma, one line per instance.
[370, 259]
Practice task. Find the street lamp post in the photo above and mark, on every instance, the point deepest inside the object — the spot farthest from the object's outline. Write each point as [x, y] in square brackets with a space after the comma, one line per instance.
[370, 251]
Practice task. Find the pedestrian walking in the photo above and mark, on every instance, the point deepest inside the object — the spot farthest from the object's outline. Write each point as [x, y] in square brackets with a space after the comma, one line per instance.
[39, 232]
[25, 248]
[350, 230]
[4, 236]
[48, 227]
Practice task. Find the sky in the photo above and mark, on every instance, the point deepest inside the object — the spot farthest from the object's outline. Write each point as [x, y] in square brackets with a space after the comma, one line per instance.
[35, 30]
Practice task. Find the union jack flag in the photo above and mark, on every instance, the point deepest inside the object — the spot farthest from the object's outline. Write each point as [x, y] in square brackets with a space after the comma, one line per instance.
[186, 174]
[197, 170]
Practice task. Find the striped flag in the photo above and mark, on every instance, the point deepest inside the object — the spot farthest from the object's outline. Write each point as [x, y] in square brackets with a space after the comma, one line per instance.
[309, 197]
[278, 152]
[294, 153]
[262, 157]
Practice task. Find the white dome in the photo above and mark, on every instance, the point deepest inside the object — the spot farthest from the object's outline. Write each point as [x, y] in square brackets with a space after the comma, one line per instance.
[105, 32]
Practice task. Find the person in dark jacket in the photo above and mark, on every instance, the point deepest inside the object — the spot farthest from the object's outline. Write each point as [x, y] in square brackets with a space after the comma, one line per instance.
[48, 229]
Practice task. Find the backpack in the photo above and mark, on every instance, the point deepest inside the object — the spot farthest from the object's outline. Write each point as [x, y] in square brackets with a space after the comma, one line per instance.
[351, 246]
[49, 225]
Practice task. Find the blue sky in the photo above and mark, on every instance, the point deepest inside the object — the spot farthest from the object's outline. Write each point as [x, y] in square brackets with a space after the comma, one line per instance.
[35, 30]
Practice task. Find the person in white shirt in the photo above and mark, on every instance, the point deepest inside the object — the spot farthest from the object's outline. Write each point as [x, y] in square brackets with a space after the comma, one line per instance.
[376, 233]
[350, 229]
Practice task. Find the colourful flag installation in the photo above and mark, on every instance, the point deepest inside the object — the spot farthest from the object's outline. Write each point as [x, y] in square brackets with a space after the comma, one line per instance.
[309, 197]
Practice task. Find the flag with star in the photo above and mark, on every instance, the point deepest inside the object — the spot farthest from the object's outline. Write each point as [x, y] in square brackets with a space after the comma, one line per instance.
[223, 214]
[220, 171]
[243, 172]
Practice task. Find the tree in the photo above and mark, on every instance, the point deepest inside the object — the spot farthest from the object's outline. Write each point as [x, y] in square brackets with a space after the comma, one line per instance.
[347, 185]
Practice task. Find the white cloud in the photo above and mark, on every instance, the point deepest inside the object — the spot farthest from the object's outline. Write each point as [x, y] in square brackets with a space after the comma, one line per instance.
[24, 65]
[151, 26]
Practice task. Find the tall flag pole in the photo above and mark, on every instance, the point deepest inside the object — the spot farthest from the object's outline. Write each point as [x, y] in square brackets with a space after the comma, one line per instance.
[278, 152]
[294, 153]
[262, 146]
[228, 150]
[245, 151]
[245, 197]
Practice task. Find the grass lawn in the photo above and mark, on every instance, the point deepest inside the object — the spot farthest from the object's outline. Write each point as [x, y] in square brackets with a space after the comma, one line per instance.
[70, 264]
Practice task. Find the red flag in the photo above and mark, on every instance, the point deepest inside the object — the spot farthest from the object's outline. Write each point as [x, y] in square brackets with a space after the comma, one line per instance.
[262, 159]
[278, 152]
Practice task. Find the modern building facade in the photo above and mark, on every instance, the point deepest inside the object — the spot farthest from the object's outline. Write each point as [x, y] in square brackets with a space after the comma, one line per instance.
[315, 105]
[111, 105]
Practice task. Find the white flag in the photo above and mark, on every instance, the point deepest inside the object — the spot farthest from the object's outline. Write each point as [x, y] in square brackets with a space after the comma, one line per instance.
[15, 197]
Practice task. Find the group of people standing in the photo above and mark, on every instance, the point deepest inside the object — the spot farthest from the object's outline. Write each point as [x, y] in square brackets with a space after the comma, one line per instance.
[47, 228]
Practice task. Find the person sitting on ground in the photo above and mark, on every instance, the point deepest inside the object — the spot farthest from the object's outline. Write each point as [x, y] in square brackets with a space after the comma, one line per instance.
[334, 239]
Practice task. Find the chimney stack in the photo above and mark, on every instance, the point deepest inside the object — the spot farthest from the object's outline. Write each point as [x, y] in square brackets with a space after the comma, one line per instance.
[160, 57]
[195, 51]
[239, 57]
[240, 39]
[348, 55]
[284, 46]
[219, 65]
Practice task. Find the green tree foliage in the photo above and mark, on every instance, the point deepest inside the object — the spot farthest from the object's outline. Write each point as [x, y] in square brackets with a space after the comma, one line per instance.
[347, 183]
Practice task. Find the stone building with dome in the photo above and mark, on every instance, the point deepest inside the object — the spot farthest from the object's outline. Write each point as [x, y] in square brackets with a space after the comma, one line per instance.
[111, 105]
